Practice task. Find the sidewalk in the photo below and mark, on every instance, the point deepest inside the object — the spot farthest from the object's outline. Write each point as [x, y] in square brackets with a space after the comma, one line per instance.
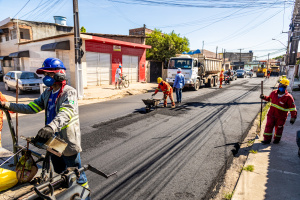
[276, 174]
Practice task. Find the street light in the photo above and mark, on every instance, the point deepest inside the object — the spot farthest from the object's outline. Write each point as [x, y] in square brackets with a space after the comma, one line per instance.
[280, 42]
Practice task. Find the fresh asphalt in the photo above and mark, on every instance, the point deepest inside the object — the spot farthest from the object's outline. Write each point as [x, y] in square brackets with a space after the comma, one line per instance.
[168, 153]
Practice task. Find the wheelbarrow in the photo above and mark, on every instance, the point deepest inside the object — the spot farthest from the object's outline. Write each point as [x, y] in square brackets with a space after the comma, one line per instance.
[151, 103]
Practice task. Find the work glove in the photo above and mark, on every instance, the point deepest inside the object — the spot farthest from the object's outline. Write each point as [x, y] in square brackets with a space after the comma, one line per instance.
[292, 121]
[45, 133]
[153, 94]
[262, 96]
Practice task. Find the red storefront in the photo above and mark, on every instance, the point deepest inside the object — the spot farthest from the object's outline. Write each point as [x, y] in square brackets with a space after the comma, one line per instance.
[104, 55]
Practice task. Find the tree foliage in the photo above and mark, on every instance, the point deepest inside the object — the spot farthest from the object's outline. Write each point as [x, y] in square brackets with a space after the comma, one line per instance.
[165, 46]
[82, 29]
[278, 57]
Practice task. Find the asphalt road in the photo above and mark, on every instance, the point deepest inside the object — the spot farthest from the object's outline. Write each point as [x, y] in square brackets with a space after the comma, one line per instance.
[168, 153]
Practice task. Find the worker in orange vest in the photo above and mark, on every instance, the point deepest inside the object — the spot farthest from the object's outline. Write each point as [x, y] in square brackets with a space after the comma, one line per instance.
[2, 99]
[166, 89]
[221, 78]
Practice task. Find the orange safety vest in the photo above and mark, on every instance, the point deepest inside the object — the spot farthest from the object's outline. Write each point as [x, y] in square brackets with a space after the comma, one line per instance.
[3, 99]
[164, 86]
[222, 75]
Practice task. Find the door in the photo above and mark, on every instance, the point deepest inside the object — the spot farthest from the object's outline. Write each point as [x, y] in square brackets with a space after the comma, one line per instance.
[130, 67]
[98, 67]
[155, 70]
[64, 57]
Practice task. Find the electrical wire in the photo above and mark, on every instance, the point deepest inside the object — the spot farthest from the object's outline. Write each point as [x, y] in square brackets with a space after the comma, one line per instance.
[22, 8]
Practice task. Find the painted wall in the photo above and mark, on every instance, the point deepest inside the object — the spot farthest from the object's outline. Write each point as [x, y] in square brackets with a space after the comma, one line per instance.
[116, 56]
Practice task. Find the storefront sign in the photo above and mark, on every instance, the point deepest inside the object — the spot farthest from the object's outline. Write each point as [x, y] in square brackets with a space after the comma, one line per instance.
[116, 48]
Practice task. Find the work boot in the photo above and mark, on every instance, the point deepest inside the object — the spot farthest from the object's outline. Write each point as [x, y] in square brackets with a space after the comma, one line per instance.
[173, 106]
[276, 141]
[266, 142]
[165, 105]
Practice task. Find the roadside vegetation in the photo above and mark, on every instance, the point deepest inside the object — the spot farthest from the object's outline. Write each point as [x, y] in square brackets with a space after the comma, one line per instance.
[248, 168]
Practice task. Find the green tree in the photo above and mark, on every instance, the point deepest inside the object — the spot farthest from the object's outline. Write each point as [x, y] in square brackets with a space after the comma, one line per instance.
[165, 46]
[82, 29]
[278, 57]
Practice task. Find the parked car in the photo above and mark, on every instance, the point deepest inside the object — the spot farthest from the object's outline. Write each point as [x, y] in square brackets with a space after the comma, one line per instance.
[241, 73]
[233, 75]
[28, 81]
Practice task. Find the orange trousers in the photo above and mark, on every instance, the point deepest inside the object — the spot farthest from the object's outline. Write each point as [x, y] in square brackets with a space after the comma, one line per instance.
[221, 81]
[170, 94]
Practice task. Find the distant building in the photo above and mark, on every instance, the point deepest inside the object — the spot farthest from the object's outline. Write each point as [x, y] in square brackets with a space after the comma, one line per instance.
[238, 60]
[140, 31]
[102, 53]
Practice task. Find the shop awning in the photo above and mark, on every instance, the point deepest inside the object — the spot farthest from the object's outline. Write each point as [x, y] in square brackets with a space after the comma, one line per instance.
[19, 54]
[64, 45]
[5, 58]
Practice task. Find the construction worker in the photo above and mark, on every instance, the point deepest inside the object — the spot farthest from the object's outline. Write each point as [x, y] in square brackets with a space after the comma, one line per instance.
[166, 89]
[281, 104]
[61, 115]
[268, 73]
[178, 84]
[221, 78]
[117, 76]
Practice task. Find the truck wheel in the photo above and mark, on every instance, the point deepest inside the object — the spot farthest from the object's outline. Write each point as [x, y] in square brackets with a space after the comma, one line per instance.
[211, 82]
[196, 85]
[216, 81]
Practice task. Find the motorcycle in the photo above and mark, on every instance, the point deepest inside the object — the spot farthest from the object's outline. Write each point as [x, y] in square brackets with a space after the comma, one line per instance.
[227, 80]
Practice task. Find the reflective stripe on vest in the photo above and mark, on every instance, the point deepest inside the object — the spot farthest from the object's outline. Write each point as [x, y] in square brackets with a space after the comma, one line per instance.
[35, 107]
[71, 122]
[283, 109]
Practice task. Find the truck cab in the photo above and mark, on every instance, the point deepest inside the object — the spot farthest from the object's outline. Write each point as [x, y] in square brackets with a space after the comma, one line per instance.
[189, 67]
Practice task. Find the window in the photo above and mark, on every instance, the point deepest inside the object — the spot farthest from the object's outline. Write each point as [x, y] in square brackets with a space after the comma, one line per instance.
[27, 75]
[13, 34]
[180, 63]
[25, 34]
[7, 37]
[8, 74]
[12, 75]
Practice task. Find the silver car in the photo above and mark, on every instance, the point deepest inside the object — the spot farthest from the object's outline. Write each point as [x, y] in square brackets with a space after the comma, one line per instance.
[27, 81]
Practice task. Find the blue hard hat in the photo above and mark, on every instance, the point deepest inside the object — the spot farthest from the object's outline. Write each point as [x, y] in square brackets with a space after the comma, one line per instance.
[50, 65]
[120, 66]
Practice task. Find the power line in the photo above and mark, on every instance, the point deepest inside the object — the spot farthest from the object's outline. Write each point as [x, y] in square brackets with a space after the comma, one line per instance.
[21, 8]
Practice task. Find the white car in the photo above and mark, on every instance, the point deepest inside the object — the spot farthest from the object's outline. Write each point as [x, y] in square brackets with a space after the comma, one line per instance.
[28, 81]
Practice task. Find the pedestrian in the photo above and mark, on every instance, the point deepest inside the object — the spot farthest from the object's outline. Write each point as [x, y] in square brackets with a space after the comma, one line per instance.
[61, 115]
[166, 89]
[221, 78]
[2, 99]
[178, 85]
[117, 76]
[281, 104]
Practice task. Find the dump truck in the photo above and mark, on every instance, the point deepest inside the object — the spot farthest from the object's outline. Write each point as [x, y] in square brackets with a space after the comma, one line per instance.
[197, 69]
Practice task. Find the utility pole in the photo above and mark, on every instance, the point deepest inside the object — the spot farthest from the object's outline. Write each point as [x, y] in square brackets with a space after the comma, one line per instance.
[240, 58]
[78, 55]
[217, 52]
[268, 61]
[202, 47]
[224, 58]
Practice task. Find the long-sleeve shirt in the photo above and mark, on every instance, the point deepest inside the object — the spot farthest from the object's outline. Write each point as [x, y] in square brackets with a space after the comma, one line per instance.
[281, 106]
[179, 81]
[164, 86]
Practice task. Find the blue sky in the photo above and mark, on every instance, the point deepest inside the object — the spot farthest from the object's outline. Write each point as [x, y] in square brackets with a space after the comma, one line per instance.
[225, 28]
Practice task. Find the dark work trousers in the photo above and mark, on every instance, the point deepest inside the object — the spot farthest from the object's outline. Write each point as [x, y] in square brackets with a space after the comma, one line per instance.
[178, 94]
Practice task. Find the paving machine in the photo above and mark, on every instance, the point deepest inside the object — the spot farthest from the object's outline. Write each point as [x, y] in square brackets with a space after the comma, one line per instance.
[46, 185]
[262, 71]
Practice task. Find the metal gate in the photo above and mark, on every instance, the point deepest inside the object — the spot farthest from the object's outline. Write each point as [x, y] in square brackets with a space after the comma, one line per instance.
[155, 70]
[64, 57]
[131, 67]
[98, 67]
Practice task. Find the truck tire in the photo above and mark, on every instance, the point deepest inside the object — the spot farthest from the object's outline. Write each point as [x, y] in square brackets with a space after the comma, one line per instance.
[216, 81]
[211, 82]
[196, 85]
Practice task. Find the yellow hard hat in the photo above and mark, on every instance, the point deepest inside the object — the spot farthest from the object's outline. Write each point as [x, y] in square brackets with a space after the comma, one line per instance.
[222, 70]
[159, 80]
[285, 81]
